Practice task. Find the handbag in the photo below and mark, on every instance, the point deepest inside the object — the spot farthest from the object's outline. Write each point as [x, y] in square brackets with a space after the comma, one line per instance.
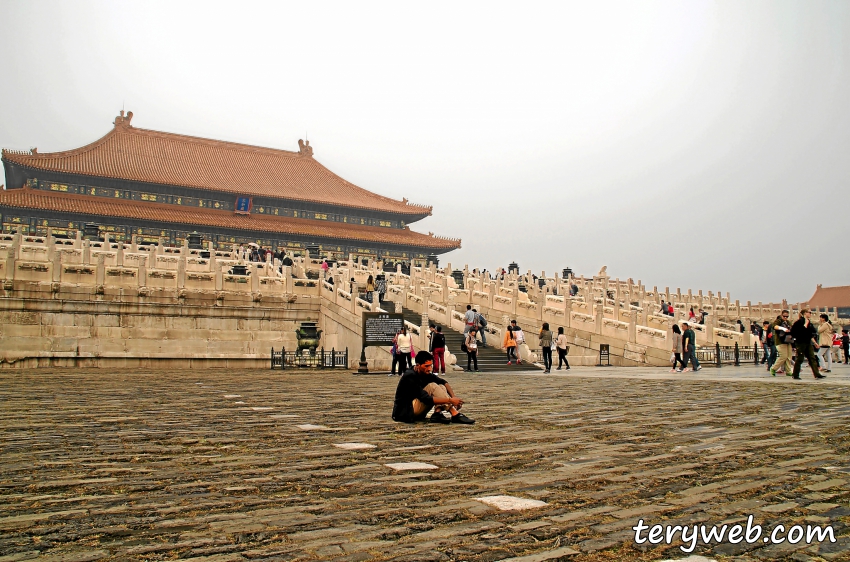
[673, 357]
[463, 348]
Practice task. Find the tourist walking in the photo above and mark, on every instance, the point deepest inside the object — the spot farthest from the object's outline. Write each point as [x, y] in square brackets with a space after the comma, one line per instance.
[396, 360]
[805, 340]
[471, 350]
[825, 333]
[845, 345]
[468, 319]
[782, 339]
[670, 309]
[691, 315]
[481, 324]
[404, 347]
[509, 344]
[370, 288]
[546, 347]
[663, 311]
[381, 289]
[689, 347]
[438, 345]
[519, 336]
[561, 346]
[768, 345]
[325, 268]
[677, 349]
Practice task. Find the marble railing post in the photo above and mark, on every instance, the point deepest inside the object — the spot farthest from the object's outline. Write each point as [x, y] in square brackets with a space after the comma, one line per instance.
[86, 253]
[287, 276]
[143, 271]
[9, 268]
[78, 241]
[119, 255]
[219, 277]
[211, 264]
[617, 297]
[514, 300]
[57, 267]
[568, 309]
[255, 278]
[51, 244]
[181, 271]
[599, 316]
[709, 327]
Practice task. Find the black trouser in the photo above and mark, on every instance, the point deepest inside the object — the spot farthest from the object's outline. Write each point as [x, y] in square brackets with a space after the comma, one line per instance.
[403, 361]
[691, 355]
[471, 356]
[547, 357]
[562, 358]
[805, 351]
[677, 360]
[846, 355]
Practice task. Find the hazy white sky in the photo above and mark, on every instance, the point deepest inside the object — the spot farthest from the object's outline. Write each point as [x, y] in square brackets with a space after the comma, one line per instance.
[686, 144]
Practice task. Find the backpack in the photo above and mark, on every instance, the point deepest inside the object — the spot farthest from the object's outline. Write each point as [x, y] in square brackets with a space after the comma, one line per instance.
[482, 321]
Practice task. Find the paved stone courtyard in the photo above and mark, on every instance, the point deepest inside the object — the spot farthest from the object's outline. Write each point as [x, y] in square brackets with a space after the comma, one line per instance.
[218, 466]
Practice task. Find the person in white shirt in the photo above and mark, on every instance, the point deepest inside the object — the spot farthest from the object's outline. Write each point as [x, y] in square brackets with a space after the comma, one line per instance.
[561, 346]
[520, 339]
[403, 348]
[468, 319]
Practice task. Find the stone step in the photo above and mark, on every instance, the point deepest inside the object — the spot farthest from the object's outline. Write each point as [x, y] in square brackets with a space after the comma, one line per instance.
[489, 358]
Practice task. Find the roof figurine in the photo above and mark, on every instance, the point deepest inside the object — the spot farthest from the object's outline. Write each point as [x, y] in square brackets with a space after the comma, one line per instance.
[304, 148]
[122, 121]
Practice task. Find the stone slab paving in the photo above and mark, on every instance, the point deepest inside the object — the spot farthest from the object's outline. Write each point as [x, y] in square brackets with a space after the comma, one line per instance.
[143, 465]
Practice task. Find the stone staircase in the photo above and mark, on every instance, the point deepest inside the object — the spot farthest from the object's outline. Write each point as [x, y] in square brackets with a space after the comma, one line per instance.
[489, 358]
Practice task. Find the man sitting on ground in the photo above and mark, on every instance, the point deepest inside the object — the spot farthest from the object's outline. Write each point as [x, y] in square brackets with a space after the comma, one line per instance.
[419, 389]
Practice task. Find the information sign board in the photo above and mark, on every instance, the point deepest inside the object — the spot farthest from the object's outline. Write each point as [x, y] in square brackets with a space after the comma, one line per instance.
[379, 328]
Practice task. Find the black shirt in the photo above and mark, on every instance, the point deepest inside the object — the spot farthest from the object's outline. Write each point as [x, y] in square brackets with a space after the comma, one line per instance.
[438, 340]
[411, 386]
[803, 334]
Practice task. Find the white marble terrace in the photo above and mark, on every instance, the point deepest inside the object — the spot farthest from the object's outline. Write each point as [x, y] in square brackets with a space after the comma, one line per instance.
[622, 313]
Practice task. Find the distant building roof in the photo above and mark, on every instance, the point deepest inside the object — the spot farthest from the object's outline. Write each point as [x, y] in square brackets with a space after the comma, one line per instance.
[176, 214]
[133, 154]
[829, 297]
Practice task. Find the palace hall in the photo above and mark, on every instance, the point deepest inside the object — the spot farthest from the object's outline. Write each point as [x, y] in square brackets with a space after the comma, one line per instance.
[158, 186]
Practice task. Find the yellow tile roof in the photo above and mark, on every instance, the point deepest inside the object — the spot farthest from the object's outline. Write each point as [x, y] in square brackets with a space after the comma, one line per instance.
[134, 154]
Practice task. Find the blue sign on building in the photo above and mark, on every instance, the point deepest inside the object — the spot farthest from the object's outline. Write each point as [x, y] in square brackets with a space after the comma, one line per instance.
[243, 205]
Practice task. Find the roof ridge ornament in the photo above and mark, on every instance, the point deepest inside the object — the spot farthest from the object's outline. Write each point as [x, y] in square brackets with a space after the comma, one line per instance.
[122, 120]
[304, 148]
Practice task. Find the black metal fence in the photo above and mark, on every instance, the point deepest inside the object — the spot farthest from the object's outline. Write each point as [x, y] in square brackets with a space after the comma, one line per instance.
[320, 360]
[720, 355]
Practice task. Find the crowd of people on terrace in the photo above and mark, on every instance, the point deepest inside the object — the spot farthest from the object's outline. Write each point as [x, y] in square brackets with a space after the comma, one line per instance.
[785, 344]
